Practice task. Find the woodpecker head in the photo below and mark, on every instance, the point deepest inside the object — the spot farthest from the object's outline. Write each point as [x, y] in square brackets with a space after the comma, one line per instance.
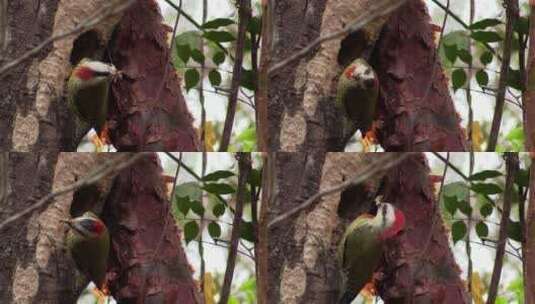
[390, 220]
[362, 74]
[88, 226]
[91, 71]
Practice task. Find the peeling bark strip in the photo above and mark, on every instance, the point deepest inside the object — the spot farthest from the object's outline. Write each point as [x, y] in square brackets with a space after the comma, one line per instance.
[434, 273]
[139, 120]
[418, 114]
[134, 211]
[34, 116]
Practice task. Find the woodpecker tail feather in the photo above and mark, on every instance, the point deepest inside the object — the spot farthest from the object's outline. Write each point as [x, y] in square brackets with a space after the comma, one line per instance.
[347, 297]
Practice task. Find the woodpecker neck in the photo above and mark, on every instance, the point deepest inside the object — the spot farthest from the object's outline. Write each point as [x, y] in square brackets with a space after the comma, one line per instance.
[395, 227]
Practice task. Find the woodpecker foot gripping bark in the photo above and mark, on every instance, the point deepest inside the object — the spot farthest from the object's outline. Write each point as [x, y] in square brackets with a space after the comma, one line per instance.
[370, 138]
[101, 294]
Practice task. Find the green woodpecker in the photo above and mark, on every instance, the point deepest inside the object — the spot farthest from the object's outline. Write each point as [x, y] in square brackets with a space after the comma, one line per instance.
[356, 97]
[87, 93]
[361, 248]
[88, 241]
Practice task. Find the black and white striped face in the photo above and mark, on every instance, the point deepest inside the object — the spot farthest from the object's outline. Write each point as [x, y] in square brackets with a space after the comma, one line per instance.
[387, 213]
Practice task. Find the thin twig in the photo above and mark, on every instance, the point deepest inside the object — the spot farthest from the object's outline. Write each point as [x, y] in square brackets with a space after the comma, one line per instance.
[511, 163]
[383, 8]
[510, 7]
[244, 164]
[368, 171]
[461, 22]
[244, 17]
[197, 25]
[94, 176]
[201, 88]
[106, 11]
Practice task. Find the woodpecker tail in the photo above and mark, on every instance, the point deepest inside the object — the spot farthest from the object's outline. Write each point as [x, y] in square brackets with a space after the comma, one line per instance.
[347, 297]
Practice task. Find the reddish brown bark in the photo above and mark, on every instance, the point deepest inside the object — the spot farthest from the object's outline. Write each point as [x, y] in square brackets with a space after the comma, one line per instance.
[149, 112]
[417, 260]
[137, 214]
[417, 114]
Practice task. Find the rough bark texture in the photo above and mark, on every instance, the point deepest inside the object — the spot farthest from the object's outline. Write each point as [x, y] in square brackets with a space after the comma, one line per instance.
[417, 260]
[150, 113]
[302, 115]
[416, 110]
[139, 220]
[302, 267]
[35, 267]
[33, 112]
[528, 250]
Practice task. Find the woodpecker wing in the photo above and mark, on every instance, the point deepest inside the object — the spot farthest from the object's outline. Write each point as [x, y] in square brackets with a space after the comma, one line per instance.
[359, 253]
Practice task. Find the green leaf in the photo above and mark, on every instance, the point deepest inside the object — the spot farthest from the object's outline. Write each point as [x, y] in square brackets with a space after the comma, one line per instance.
[514, 79]
[458, 231]
[514, 231]
[255, 25]
[486, 210]
[465, 56]
[246, 231]
[486, 36]
[216, 175]
[482, 175]
[522, 178]
[197, 207]
[218, 22]
[460, 39]
[451, 52]
[486, 57]
[486, 188]
[197, 56]
[192, 77]
[450, 203]
[215, 78]
[248, 79]
[218, 58]
[465, 207]
[522, 26]
[191, 229]
[183, 204]
[217, 188]
[183, 52]
[482, 230]
[482, 78]
[214, 230]
[218, 210]
[516, 138]
[484, 23]
[458, 78]
[219, 36]
[255, 178]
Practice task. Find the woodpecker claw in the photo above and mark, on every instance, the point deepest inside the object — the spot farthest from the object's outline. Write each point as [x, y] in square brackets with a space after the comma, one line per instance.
[101, 295]
[105, 134]
[370, 138]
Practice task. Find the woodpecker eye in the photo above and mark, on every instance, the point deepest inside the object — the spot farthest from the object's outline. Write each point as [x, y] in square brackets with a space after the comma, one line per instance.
[88, 225]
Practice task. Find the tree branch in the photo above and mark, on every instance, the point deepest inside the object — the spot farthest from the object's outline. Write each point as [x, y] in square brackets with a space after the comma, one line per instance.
[106, 11]
[367, 172]
[512, 14]
[91, 178]
[511, 162]
[245, 16]
[244, 164]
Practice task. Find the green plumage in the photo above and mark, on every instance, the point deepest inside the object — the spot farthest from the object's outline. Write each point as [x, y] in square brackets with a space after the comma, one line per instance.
[359, 254]
[90, 253]
[357, 94]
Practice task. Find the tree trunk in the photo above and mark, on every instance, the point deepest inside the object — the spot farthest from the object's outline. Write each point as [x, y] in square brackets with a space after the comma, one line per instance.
[146, 112]
[302, 115]
[302, 250]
